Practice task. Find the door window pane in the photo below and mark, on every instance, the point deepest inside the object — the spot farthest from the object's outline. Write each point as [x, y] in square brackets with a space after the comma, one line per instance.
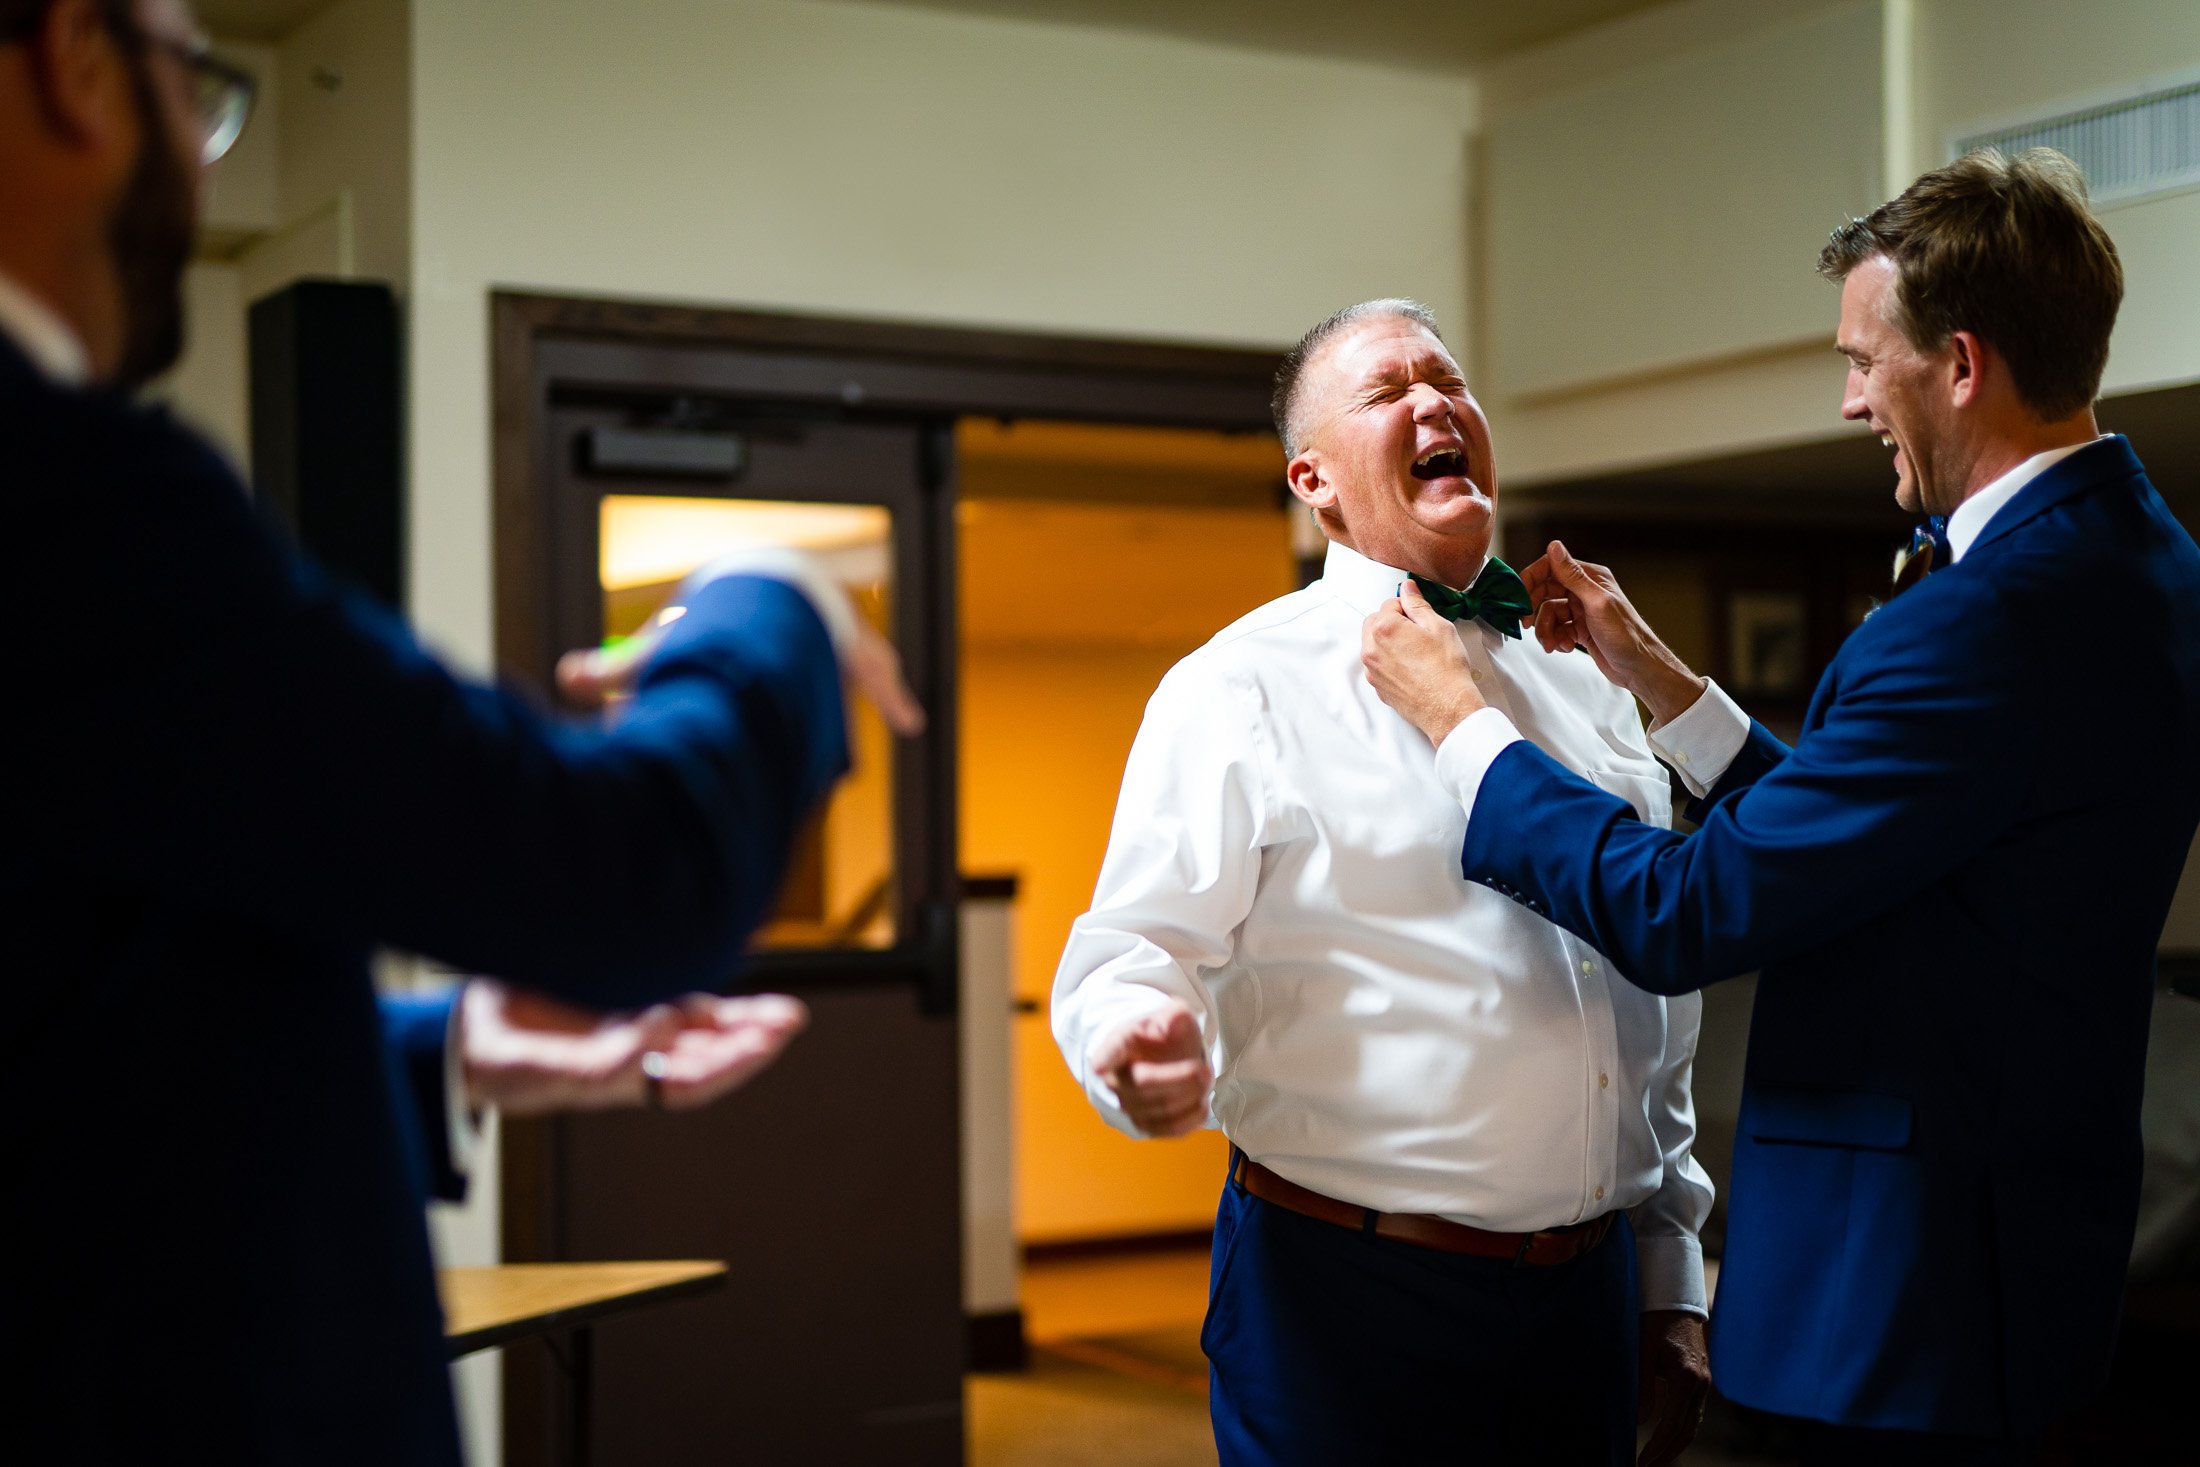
[840, 889]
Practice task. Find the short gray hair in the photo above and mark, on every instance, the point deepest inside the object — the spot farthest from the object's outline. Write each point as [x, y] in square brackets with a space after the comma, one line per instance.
[1286, 404]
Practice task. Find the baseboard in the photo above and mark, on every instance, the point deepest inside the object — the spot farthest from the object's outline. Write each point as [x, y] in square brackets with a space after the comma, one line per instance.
[995, 1340]
[1182, 1240]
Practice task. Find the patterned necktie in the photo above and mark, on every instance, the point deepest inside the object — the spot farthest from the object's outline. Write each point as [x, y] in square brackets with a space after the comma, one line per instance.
[1497, 596]
[1929, 551]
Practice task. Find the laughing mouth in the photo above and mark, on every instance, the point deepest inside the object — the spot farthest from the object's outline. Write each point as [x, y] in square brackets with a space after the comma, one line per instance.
[1440, 463]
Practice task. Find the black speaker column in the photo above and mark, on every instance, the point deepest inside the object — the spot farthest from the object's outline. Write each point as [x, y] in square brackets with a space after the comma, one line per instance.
[326, 449]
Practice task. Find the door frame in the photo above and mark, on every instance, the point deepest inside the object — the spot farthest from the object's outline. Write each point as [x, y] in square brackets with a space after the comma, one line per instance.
[854, 369]
[856, 366]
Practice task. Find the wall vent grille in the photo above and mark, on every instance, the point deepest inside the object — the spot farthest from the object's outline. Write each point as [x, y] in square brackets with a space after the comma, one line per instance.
[2129, 148]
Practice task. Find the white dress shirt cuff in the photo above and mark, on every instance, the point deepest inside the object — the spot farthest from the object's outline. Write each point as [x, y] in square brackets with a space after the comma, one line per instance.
[1701, 741]
[1463, 760]
[793, 568]
[1671, 1271]
[460, 1120]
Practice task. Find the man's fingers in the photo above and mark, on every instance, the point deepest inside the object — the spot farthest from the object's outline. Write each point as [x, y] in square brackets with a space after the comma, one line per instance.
[1680, 1401]
[1180, 1033]
[1541, 581]
[1417, 610]
[1148, 1075]
[1170, 1118]
[1568, 569]
[592, 676]
[1555, 626]
[1676, 1428]
[1173, 1035]
[875, 668]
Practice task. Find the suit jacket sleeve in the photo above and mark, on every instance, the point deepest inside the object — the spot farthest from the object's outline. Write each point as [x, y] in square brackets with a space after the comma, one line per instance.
[416, 1032]
[1921, 745]
[1758, 757]
[222, 723]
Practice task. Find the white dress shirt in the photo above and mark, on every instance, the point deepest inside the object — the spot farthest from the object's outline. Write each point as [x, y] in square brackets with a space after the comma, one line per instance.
[1285, 862]
[42, 335]
[1701, 742]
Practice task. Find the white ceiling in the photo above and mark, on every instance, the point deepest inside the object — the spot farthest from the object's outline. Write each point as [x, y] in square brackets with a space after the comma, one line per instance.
[1433, 35]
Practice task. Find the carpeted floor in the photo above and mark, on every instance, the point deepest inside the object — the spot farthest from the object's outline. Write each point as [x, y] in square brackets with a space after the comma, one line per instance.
[1124, 1401]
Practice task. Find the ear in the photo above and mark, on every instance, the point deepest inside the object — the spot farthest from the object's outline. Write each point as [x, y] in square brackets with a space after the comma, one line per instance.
[81, 79]
[1967, 367]
[1304, 475]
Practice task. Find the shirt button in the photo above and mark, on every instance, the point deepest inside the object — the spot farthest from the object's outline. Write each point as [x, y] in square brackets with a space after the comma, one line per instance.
[1682, 756]
[1604, 1082]
[1588, 967]
[1600, 1194]
[1476, 674]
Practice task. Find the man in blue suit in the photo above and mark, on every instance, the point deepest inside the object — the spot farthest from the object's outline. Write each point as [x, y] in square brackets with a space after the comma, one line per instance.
[229, 782]
[1953, 902]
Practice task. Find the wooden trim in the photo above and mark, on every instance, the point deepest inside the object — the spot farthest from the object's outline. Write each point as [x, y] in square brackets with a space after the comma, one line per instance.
[1127, 1245]
[824, 363]
[585, 319]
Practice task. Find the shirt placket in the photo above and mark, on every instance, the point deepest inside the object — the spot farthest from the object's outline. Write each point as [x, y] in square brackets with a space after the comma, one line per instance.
[1601, 1043]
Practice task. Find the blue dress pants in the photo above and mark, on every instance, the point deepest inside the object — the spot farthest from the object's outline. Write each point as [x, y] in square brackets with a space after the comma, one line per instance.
[1330, 1347]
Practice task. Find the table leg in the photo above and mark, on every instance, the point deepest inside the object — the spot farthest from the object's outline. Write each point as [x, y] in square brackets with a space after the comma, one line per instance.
[580, 1398]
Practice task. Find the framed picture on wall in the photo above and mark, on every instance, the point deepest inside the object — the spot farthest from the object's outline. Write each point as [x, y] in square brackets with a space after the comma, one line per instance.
[1768, 643]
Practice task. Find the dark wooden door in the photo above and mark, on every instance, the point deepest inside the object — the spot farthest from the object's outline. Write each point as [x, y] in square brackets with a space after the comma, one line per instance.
[830, 1184]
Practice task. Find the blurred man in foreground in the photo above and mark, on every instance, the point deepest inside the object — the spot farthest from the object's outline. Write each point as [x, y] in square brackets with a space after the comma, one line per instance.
[232, 781]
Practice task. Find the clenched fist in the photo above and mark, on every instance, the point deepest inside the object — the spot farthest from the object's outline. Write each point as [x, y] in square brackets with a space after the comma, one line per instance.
[1157, 1067]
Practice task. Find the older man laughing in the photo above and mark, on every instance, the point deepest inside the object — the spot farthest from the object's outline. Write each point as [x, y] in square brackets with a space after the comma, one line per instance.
[1460, 1158]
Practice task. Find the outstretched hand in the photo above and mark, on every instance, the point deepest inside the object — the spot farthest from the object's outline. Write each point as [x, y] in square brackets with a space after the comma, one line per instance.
[1157, 1066]
[1415, 662]
[530, 1055]
[1580, 605]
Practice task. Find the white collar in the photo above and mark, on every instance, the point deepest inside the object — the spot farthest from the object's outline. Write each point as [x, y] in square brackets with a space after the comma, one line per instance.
[1969, 520]
[43, 336]
[1364, 584]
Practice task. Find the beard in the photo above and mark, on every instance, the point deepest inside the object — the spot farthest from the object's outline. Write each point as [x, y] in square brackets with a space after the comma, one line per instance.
[150, 238]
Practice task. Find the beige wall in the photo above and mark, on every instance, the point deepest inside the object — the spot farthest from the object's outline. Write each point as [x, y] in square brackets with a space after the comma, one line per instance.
[1942, 65]
[319, 184]
[882, 163]
[1615, 202]
[1634, 388]
[1994, 60]
[346, 82]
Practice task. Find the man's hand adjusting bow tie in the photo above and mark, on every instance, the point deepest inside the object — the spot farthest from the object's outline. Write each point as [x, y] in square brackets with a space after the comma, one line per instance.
[1414, 658]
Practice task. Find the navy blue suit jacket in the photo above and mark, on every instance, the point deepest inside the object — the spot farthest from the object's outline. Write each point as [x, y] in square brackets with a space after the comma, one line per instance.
[230, 781]
[1953, 885]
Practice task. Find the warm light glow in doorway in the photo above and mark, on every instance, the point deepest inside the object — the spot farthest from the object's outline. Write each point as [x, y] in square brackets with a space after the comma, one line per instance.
[648, 540]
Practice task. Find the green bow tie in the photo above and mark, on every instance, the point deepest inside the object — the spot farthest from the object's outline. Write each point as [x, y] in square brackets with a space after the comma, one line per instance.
[1498, 596]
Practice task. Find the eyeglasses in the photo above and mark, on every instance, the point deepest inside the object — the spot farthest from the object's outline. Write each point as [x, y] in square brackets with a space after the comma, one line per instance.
[221, 93]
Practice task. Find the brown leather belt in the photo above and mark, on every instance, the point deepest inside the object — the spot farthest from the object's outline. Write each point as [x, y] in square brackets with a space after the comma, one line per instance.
[1551, 1246]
